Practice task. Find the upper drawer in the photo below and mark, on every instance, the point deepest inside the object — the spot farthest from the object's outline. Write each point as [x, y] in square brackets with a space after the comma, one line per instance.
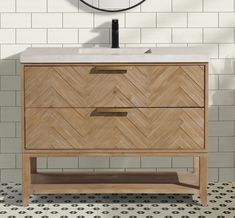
[114, 86]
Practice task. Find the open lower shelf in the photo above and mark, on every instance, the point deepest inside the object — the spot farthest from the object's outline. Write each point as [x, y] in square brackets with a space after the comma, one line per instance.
[118, 182]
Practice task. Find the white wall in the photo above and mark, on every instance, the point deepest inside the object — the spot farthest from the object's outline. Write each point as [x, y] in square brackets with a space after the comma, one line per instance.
[207, 23]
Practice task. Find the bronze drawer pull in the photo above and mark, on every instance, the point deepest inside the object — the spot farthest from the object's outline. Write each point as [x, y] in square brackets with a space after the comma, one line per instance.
[108, 70]
[109, 112]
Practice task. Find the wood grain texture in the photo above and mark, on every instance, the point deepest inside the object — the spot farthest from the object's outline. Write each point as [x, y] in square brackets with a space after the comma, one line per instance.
[137, 128]
[22, 96]
[203, 180]
[113, 153]
[140, 86]
[162, 182]
[206, 106]
[26, 177]
[127, 112]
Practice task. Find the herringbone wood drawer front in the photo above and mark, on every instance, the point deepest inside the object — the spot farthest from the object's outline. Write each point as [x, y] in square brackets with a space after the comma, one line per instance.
[102, 128]
[114, 86]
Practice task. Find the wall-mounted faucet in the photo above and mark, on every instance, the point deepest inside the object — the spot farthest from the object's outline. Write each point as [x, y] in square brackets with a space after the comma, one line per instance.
[115, 33]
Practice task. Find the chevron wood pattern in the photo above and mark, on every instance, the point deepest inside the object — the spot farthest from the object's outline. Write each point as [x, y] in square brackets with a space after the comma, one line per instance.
[140, 86]
[107, 109]
[142, 128]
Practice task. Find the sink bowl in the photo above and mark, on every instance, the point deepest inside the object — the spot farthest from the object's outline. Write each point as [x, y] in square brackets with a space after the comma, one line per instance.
[113, 51]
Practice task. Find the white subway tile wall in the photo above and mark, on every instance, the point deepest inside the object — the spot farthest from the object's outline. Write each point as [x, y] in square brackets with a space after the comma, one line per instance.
[158, 23]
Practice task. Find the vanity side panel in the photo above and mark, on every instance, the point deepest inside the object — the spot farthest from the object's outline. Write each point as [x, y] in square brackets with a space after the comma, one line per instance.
[206, 66]
[22, 80]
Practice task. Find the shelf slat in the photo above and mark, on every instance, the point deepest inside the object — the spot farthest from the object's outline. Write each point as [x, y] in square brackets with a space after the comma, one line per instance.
[118, 182]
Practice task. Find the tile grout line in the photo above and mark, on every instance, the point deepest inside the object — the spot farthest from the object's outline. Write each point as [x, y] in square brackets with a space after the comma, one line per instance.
[47, 6]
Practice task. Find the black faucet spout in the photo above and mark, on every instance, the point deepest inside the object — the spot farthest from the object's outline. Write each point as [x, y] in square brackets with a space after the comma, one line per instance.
[115, 33]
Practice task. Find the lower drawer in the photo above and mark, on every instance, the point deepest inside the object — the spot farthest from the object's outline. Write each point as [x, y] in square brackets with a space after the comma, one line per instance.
[109, 128]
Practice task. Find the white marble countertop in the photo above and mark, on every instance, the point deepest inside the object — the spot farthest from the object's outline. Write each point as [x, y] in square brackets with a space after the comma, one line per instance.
[107, 55]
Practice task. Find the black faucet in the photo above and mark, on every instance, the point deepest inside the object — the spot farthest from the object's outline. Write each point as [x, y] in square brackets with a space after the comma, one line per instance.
[115, 33]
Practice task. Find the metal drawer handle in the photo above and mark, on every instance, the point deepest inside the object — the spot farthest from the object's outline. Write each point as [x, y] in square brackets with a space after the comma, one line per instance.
[109, 112]
[108, 70]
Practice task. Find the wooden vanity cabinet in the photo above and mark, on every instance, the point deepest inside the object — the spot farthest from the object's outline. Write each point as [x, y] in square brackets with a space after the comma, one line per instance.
[114, 110]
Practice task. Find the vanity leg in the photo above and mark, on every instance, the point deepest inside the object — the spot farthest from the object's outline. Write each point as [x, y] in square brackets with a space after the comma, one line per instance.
[203, 159]
[33, 162]
[26, 179]
[196, 165]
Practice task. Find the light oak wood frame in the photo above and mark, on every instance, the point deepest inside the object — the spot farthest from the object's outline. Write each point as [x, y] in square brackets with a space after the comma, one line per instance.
[42, 183]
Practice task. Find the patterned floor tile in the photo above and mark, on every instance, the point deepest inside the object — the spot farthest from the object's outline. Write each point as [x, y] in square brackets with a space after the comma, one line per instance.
[221, 204]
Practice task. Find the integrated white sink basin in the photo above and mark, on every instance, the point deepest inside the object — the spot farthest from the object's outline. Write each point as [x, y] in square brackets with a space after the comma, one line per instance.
[113, 51]
[109, 55]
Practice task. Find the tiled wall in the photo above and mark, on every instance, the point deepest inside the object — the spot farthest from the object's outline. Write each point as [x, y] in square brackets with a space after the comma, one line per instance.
[207, 23]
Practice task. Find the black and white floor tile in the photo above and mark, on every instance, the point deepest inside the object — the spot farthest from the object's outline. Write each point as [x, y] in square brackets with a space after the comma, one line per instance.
[221, 204]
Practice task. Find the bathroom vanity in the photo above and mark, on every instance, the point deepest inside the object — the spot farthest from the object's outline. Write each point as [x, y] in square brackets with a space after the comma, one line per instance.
[114, 102]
